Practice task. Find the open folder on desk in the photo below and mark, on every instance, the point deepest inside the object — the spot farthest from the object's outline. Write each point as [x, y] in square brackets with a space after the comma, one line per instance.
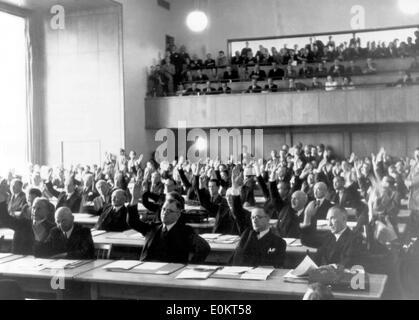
[121, 265]
[157, 268]
[65, 264]
[301, 273]
[244, 273]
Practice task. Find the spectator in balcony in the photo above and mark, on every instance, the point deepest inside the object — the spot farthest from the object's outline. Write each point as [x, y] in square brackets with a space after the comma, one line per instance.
[187, 76]
[213, 74]
[208, 89]
[254, 87]
[224, 88]
[405, 79]
[209, 62]
[276, 56]
[305, 71]
[296, 86]
[177, 61]
[403, 50]
[290, 72]
[276, 73]
[169, 71]
[237, 60]
[331, 43]
[221, 60]
[180, 90]
[411, 50]
[245, 51]
[193, 90]
[370, 67]
[156, 82]
[250, 59]
[200, 77]
[230, 74]
[330, 84]
[183, 54]
[392, 51]
[316, 84]
[337, 70]
[260, 75]
[352, 69]
[321, 71]
[347, 83]
[270, 86]
[328, 54]
[196, 63]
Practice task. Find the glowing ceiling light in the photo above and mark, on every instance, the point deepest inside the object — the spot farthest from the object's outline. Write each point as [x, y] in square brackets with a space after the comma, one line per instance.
[197, 21]
[410, 7]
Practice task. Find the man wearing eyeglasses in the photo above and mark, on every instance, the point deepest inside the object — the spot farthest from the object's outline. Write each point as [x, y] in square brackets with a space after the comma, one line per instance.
[169, 240]
[259, 245]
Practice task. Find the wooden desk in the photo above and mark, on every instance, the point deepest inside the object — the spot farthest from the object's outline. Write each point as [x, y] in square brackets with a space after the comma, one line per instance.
[220, 252]
[120, 285]
[40, 281]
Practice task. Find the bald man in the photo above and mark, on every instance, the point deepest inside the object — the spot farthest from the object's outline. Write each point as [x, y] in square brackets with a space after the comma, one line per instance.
[260, 245]
[113, 218]
[318, 208]
[290, 216]
[67, 240]
[340, 245]
[28, 230]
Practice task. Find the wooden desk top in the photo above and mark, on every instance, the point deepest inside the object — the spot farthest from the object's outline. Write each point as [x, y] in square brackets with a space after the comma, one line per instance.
[15, 268]
[275, 285]
[136, 240]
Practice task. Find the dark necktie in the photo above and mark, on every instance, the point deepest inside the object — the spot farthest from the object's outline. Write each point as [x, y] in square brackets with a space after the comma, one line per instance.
[317, 203]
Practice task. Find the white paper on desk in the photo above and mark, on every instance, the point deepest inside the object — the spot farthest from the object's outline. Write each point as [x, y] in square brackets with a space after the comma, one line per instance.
[257, 274]
[289, 240]
[132, 234]
[234, 270]
[194, 274]
[97, 232]
[122, 264]
[210, 236]
[150, 266]
[227, 239]
[62, 264]
[296, 243]
[304, 267]
[4, 255]
[34, 264]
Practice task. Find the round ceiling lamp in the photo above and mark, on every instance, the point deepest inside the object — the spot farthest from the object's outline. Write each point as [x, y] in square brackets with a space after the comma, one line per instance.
[197, 21]
[410, 7]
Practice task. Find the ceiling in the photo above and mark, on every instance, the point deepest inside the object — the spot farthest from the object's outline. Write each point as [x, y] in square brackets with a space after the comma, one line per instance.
[68, 4]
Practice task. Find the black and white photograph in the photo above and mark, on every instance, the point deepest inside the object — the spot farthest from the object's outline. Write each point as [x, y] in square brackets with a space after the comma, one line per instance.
[212, 153]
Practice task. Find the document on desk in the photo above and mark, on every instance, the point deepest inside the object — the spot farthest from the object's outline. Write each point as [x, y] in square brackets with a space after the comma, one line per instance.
[97, 232]
[257, 274]
[195, 273]
[227, 239]
[5, 255]
[150, 266]
[233, 270]
[65, 264]
[296, 243]
[157, 268]
[121, 265]
[31, 264]
[129, 234]
[289, 241]
[210, 236]
[302, 271]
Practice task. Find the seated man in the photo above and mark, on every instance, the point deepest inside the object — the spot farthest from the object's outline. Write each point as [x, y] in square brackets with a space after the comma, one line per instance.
[292, 215]
[340, 245]
[257, 73]
[224, 88]
[67, 240]
[104, 197]
[230, 74]
[318, 208]
[170, 240]
[276, 73]
[271, 86]
[28, 230]
[200, 77]
[193, 90]
[254, 87]
[208, 89]
[69, 198]
[259, 245]
[18, 198]
[113, 217]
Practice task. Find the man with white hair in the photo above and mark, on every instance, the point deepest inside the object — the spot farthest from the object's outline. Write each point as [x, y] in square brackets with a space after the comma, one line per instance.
[70, 197]
[67, 240]
[340, 245]
[291, 215]
[318, 208]
[113, 218]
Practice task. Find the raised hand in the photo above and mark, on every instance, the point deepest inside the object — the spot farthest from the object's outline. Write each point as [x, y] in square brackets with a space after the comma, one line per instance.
[136, 192]
[236, 177]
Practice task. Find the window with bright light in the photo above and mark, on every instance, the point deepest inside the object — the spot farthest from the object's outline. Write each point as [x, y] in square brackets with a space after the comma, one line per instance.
[13, 115]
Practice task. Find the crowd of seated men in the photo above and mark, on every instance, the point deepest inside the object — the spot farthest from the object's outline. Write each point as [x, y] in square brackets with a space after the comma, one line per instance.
[300, 185]
[179, 68]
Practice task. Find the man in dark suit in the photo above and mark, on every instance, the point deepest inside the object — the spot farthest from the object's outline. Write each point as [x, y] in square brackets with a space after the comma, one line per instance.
[208, 89]
[254, 87]
[257, 74]
[271, 86]
[169, 240]
[28, 230]
[200, 77]
[69, 198]
[337, 70]
[276, 73]
[318, 208]
[224, 88]
[18, 198]
[292, 215]
[113, 217]
[215, 204]
[67, 240]
[259, 245]
[88, 194]
[349, 198]
[230, 74]
[193, 90]
[340, 245]
[305, 71]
